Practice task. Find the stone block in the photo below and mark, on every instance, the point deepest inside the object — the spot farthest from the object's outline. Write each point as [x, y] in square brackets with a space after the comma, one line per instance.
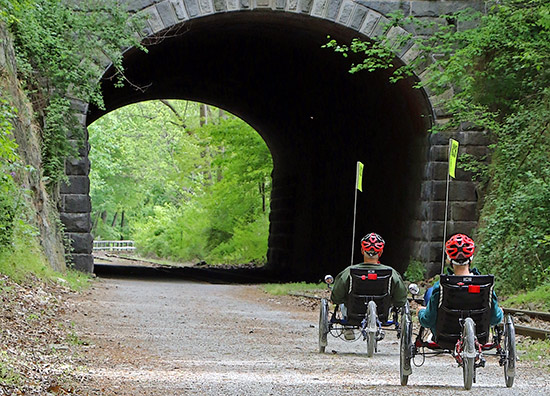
[180, 10]
[345, 12]
[167, 13]
[431, 251]
[381, 26]
[305, 6]
[153, 19]
[82, 262]
[464, 211]
[220, 5]
[442, 138]
[136, 5]
[439, 171]
[470, 126]
[465, 227]
[476, 151]
[439, 153]
[81, 243]
[192, 7]
[206, 6]
[77, 184]
[233, 5]
[458, 191]
[358, 17]
[76, 203]
[76, 222]
[77, 166]
[371, 20]
[333, 9]
[427, 8]
[386, 7]
[280, 4]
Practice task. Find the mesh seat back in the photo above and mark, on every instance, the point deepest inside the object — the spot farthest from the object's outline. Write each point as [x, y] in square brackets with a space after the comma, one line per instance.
[461, 297]
[366, 285]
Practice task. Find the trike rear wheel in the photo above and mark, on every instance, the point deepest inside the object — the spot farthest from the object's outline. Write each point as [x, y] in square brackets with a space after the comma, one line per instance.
[510, 350]
[468, 356]
[371, 328]
[323, 325]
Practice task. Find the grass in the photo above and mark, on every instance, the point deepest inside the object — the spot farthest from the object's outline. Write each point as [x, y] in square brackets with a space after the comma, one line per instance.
[279, 289]
[536, 351]
[7, 375]
[537, 299]
[26, 257]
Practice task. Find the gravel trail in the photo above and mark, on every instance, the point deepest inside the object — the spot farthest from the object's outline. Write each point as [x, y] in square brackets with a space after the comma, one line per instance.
[154, 337]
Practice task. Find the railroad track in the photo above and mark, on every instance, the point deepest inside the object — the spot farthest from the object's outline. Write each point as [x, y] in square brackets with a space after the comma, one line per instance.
[529, 331]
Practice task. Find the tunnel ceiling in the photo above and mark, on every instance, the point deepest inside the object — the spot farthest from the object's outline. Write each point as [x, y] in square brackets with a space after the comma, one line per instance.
[317, 119]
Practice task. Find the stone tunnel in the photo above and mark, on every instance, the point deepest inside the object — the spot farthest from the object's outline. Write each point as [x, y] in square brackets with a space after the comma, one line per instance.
[266, 65]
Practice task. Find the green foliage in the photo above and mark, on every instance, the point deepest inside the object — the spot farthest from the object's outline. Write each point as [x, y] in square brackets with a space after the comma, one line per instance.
[536, 351]
[497, 66]
[62, 48]
[416, 271]
[280, 289]
[8, 165]
[537, 299]
[189, 191]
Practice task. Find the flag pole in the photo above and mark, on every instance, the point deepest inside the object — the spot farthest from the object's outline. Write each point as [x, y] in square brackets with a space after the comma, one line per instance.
[445, 224]
[453, 154]
[358, 186]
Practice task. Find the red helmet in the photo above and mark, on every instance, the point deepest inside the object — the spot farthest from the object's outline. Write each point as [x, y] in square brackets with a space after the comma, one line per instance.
[372, 244]
[460, 249]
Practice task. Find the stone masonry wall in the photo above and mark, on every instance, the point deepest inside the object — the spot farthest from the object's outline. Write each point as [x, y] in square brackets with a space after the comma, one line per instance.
[367, 18]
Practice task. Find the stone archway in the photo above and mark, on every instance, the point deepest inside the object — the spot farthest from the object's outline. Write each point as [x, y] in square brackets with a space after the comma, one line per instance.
[264, 63]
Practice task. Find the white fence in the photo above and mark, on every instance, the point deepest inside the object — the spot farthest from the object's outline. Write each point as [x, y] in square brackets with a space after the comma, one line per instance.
[110, 246]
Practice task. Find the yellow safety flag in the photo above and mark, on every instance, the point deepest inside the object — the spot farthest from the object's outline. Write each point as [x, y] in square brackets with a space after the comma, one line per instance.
[360, 176]
[453, 154]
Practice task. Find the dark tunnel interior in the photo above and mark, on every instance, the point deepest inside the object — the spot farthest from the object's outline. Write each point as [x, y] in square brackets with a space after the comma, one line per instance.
[317, 119]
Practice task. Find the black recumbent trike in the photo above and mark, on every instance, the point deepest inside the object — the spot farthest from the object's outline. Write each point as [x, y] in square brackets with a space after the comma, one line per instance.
[462, 329]
[368, 310]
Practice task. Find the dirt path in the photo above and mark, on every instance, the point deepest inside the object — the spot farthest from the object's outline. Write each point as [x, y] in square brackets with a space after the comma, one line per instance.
[183, 338]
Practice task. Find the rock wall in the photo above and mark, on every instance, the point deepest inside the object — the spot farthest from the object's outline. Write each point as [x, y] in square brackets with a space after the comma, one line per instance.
[27, 135]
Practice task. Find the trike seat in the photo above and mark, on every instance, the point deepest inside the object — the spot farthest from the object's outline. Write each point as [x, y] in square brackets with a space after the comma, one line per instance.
[368, 285]
[461, 297]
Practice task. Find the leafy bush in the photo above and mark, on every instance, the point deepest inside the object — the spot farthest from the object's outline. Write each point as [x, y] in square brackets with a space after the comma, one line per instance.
[497, 66]
[61, 49]
[8, 163]
[416, 271]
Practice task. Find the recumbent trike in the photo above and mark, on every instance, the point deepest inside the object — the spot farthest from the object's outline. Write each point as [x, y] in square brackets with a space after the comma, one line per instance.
[462, 329]
[368, 309]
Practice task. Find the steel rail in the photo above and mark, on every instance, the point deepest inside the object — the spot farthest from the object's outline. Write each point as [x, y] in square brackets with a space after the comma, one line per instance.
[541, 334]
[533, 314]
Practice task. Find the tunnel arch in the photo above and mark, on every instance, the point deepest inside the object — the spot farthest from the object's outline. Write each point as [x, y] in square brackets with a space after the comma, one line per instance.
[268, 68]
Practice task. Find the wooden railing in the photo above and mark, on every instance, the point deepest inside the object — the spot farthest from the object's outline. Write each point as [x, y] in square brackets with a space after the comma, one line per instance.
[110, 246]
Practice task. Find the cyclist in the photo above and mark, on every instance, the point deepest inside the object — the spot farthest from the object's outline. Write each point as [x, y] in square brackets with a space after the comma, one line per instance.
[460, 253]
[372, 246]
